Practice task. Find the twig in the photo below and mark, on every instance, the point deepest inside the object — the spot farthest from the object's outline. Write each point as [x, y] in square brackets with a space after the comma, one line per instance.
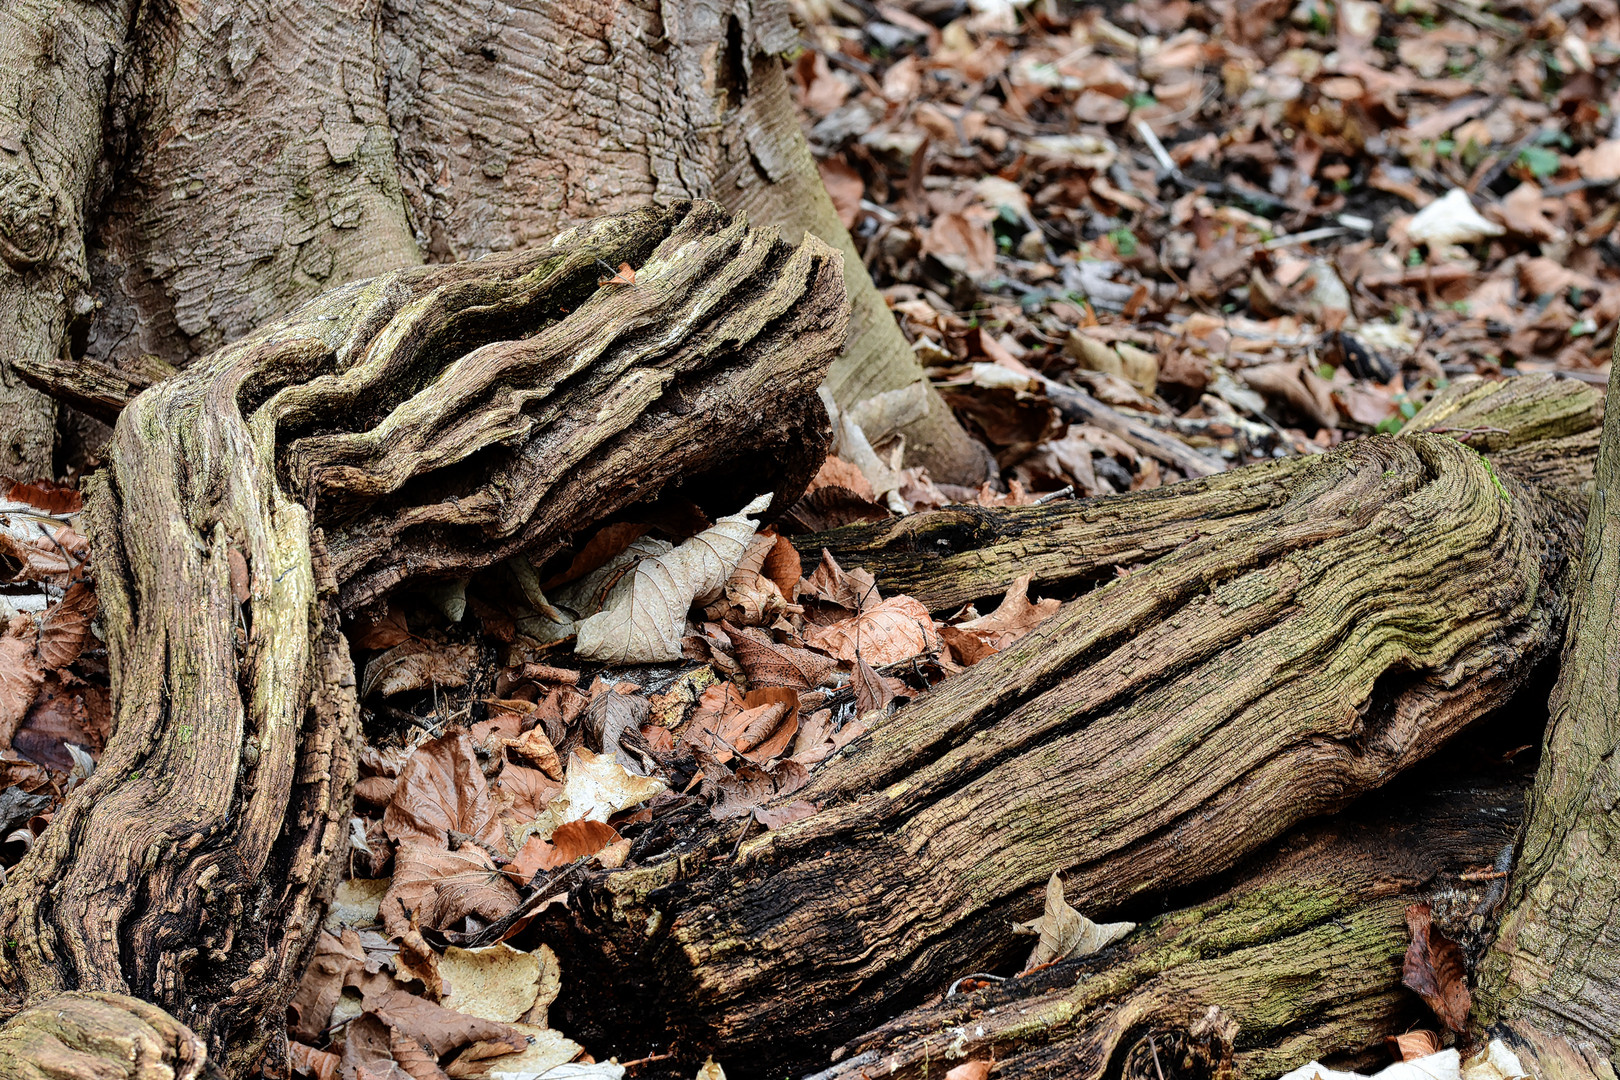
[1309, 236]
[1053, 496]
[648, 1060]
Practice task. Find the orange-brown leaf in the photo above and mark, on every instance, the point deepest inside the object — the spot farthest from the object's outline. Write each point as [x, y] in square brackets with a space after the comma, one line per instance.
[65, 626]
[1434, 970]
[897, 629]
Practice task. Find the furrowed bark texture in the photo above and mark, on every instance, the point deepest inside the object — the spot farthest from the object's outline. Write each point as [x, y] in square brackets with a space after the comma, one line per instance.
[1302, 956]
[325, 142]
[1368, 605]
[1552, 979]
[1539, 428]
[424, 423]
[57, 61]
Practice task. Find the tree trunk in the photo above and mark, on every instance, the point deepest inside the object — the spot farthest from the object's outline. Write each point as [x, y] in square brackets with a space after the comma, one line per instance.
[1552, 980]
[424, 423]
[1308, 629]
[1301, 957]
[57, 61]
[326, 142]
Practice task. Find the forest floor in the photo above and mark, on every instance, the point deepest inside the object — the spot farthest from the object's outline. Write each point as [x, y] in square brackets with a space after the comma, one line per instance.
[1260, 228]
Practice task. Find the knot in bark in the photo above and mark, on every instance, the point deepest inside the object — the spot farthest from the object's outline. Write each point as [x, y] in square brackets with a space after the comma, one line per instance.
[28, 226]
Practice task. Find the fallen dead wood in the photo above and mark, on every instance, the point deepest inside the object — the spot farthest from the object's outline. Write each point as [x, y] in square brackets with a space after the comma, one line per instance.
[1540, 428]
[1301, 958]
[1353, 612]
[421, 424]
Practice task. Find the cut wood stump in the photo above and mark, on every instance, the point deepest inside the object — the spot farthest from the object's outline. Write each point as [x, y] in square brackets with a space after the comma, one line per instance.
[421, 424]
[1290, 636]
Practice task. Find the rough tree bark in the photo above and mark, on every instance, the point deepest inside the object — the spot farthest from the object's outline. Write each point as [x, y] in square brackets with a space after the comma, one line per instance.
[1308, 629]
[57, 62]
[260, 153]
[426, 422]
[1552, 980]
[1302, 956]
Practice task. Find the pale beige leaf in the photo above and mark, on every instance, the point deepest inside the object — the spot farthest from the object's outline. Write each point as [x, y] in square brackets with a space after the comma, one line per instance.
[356, 902]
[596, 788]
[645, 614]
[1064, 932]
[496, 983]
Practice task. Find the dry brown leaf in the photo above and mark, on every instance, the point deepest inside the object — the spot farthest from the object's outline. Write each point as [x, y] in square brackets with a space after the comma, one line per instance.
[644, 617]
[572, 840]
[855, 590]
[523, 793]
[308, 1061]
[536, 749]
[609, 542]
[1410, 1045]
[783, 567]
[736, 794]
[442, 790]
[970, 1070]
[897, 629]
[417, 664]
[596, 788]
[20, 675]
[65, 626]
[1523, 210]
[1015, 616]
[337, 956]
[963, 241]
[1435, 971]
[774, 817]
[768, 663]
[436, 1029]
[845, 186]
[759, 724]
[835, 472]
[871, 691]
[384, 633]
[46, 496]
[438, 888]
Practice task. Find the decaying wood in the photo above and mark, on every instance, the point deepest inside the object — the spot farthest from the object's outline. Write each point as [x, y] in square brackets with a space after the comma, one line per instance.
[98, 1036]
[421, 424]
[1302, 958]
[1355, 611]
[1539, 428]
[1552, 979]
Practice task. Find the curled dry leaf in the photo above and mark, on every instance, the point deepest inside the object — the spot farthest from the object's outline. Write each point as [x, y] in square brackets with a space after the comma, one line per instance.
[1064, 932]
[758, 725]
[970, 1070]
[65, 626]
[417, 664]
[608, 715]
[895, 630]
[1434, 970]
[1413, 1044]
[308, 1061]
[645, 614]
[436, 1029]
[1015, 616]
[20, 675]
[855, 590]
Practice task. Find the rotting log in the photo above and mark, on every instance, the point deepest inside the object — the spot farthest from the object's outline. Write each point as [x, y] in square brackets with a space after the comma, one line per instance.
[1551, 983]
[1540, 428]
[1367, 606]
[420, 424]
[1302, 956]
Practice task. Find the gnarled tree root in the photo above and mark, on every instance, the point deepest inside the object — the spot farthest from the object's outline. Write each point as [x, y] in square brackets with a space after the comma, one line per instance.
[1361, 608]
[424, 423]
[1300, 959]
